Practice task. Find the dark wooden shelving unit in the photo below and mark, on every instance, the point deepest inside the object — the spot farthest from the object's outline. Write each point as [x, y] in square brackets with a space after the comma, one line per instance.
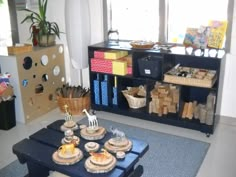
[167, 60]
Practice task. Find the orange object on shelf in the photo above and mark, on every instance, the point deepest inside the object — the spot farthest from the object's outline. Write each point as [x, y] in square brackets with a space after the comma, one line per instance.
[19, 49]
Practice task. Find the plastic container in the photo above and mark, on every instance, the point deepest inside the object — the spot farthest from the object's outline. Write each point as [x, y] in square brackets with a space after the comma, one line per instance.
[150, 67]
[7, 114]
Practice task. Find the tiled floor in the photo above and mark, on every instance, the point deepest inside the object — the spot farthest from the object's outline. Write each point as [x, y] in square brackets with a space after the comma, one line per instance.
[219, 162]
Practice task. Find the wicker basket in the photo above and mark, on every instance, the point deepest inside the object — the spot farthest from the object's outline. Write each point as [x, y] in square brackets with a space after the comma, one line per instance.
[75, 105]
[134, 102]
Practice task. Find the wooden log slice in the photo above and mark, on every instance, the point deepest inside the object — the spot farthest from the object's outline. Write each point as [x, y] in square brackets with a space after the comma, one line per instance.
[74, 139]
[94, 168]
[113, 148]
[64, 128]
[90, 148]
[104, 162]
[97, 135]
[67, 161]
[69, 124]
[118, 142]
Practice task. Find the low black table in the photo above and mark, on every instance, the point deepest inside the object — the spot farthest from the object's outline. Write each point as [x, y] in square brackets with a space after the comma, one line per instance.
[37, 152]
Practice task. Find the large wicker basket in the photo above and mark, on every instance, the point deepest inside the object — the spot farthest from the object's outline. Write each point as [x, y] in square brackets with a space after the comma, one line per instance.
[75, 105]
[134, 102]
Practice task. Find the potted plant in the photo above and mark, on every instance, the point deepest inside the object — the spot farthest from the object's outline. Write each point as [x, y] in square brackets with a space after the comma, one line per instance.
[42, 31]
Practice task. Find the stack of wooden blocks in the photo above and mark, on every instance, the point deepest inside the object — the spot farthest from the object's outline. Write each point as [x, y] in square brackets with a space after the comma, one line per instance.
[203, 112]
[165, 99]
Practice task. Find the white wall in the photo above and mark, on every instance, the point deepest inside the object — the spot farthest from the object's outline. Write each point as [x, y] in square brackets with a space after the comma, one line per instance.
[227, 107]
[56, 13]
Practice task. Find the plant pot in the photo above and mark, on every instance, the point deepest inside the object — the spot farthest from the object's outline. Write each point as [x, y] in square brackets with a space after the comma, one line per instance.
[47, 40]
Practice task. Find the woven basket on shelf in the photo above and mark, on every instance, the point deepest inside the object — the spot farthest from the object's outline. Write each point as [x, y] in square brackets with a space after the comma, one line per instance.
[134, 102]
[75, 105]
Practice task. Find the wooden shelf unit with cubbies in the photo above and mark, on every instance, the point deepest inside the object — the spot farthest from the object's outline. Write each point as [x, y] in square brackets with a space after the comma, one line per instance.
[183, 105]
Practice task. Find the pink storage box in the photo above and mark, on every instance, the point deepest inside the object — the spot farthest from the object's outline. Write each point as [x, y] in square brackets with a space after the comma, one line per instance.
[101, 65]
[99, 54]
[129, 70]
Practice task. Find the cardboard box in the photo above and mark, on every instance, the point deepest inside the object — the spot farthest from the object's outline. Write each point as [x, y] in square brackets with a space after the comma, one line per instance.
[128, 58]
[115, 54]
[129, 70]
[119, 67]
[101, 65]
[99, 54]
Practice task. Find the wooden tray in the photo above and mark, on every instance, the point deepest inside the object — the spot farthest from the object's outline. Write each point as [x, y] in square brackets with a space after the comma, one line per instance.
[191, 76]
[189, 81]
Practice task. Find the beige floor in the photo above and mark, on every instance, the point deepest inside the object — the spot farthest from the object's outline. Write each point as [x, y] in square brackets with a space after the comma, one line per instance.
[219, 162]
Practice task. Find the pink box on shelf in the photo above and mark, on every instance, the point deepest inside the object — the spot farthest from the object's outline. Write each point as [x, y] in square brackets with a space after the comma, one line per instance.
[101, 65]
[99, 53]
[129, 70]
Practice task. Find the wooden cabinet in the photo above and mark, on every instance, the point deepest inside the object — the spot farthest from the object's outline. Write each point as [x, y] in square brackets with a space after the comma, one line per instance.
[181, 104]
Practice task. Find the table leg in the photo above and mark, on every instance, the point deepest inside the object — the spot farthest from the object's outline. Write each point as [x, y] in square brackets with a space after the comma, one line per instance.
[36, 170]
[137, 172]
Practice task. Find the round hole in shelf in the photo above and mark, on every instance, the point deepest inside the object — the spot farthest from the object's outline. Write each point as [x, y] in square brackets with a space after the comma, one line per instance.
[34, 76]
[25, 82]
[39, 89]
[51, 97]
[44, 60]
[31, 101]
[44, 77]
[56, 70]
[54, 56]
[60, 50]
[27, 63]
[36, 64]
[62, 79]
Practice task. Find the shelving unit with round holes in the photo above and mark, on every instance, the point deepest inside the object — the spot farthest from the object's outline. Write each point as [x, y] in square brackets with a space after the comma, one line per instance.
[35, 75]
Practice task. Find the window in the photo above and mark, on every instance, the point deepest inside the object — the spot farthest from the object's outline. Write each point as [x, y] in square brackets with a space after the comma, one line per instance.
[5, 30]
[134, 19]
[162, 20]
[189, 13]
[8, 30]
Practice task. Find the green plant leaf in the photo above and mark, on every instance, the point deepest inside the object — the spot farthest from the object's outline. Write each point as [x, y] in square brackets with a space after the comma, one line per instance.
[39, 21]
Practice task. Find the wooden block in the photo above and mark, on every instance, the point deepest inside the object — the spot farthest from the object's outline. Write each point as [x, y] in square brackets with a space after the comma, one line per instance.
[166, 103]
[162, 89]
[189, 113]
[165, 110]
[172, 108]
[160, 112]
[196, 112]
[168, 98]
[176, 97]
[150, 107]
[185, 110]
[162, 95]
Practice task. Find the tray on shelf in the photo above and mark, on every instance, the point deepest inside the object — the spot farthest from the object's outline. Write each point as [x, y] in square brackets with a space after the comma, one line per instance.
[191, 77]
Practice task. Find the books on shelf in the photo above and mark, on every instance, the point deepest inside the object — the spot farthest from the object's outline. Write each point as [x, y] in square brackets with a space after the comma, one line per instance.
[211, 36]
